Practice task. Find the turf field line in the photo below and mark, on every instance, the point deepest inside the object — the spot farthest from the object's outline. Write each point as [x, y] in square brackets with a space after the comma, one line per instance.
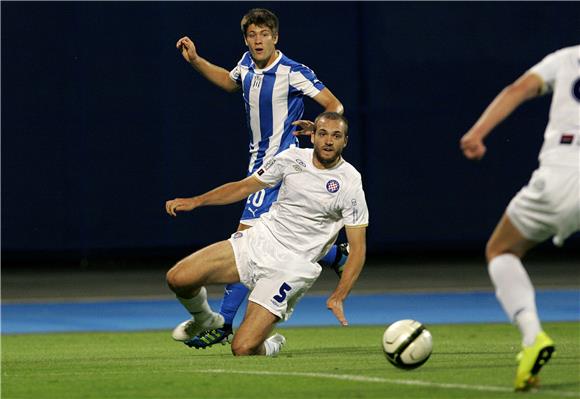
[358, 378]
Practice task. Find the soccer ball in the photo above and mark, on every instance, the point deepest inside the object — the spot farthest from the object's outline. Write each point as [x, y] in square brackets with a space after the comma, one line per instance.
[407, 344]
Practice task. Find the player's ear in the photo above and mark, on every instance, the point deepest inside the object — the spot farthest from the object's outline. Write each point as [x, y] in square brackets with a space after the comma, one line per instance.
[312, 136]
[275, 37]
[345, 141]
[245, 41]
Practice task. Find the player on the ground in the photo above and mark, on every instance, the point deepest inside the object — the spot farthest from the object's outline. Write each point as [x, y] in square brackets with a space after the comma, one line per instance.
[548, 206]
[277, 258]
[273, 87]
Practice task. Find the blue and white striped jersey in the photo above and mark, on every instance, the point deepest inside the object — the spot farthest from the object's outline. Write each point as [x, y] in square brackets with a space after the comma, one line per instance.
[273, 100]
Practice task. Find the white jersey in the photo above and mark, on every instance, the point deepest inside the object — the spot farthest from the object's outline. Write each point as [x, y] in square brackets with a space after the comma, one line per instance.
[313, 204]
[560, 72]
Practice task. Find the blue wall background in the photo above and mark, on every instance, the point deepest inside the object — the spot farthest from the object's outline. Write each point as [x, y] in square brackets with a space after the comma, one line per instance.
[102, 120]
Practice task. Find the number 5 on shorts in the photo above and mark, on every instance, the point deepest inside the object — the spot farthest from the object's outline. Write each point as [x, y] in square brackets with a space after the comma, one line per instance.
[284, 288]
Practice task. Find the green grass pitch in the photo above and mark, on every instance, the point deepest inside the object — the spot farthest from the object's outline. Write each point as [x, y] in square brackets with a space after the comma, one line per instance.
[468, 361]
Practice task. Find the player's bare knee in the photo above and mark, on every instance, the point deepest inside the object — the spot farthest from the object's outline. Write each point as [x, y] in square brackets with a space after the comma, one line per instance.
[491, 251]
[176, 278]
[172, 280]
[495, 248]
[244, 347]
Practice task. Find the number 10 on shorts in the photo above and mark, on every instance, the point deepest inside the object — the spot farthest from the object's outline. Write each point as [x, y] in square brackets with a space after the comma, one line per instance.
[257, 199]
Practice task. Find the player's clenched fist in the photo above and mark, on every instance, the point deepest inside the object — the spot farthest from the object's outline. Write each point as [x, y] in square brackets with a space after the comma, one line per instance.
[472, 146]
[187, 48]
[179, 205]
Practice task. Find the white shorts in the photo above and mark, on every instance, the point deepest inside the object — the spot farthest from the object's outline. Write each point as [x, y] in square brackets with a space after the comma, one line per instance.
[549, 205]
[276, 277]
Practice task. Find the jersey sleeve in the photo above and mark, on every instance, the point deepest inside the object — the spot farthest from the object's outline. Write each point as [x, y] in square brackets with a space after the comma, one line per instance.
[272, 171]
[304, 79]
[236, 73]
[548, 68]
[355, 212]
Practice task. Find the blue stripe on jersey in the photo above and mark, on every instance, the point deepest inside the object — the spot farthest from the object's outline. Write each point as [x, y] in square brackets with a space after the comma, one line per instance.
[246, 95]
[295, 112]
[266, 117]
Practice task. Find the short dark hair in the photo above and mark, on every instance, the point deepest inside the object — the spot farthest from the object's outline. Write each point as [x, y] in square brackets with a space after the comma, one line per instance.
[335, 116]
[260, 17]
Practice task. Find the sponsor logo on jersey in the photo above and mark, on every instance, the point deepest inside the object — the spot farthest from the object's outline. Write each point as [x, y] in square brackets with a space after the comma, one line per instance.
[269, 164]
[566, 138]
[260, 171]
[238, 234]
[299, 162]
[332, 186]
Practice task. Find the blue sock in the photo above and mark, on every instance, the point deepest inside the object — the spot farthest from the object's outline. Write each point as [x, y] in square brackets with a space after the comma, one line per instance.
[330, 259]
[342, 260]
[233, 298]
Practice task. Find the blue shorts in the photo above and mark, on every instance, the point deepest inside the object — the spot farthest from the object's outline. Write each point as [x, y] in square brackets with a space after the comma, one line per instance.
[259, 203]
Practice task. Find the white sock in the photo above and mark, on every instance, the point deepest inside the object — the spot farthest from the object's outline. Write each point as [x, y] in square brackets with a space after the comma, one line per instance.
[515, 292]
[197, 306]
[274, 344]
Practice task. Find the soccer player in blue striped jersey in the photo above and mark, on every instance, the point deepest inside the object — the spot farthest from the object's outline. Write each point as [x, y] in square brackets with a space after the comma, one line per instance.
[273, 88]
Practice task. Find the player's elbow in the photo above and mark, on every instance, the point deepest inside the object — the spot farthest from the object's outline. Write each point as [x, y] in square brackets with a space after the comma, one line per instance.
[336, 106]
[231, 89]
[229, 85]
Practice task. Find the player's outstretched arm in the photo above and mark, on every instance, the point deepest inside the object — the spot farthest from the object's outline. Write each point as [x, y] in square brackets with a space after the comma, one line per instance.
[222, 195]
[356, 259]
[215, 74]
[527, 86]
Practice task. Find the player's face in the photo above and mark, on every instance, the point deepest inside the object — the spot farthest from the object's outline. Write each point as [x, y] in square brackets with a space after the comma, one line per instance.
[262, 44]
[329, 140]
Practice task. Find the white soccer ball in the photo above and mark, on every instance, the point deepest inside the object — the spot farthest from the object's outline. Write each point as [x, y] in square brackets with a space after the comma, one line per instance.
[407, 344]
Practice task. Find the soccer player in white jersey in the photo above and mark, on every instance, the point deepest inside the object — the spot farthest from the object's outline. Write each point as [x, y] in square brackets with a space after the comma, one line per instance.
[277, 258]
[548, 206]
[273, 88]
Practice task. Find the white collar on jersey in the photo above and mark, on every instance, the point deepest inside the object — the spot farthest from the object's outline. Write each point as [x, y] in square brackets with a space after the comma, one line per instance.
[272, 65]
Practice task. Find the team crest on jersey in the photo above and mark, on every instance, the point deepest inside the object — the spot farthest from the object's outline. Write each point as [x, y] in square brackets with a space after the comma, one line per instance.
[238, 234]
[576, 89]
[332, 186]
